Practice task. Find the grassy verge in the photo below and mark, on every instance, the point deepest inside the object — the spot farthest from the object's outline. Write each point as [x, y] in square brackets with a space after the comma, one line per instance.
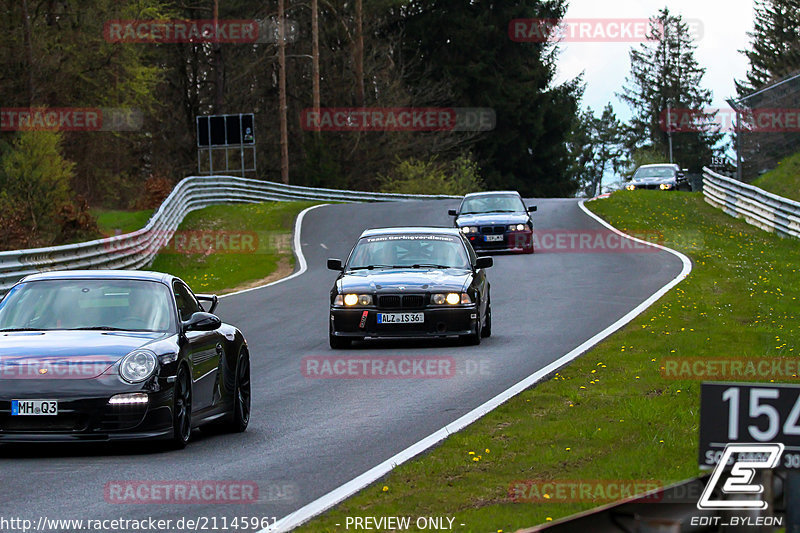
[784, 180]
[226, 247]
[112, 222]
[610, 415]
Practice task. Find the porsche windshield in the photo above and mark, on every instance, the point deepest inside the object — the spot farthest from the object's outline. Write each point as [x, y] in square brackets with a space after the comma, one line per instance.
[128, 305]
[399, 251]
[494, 203]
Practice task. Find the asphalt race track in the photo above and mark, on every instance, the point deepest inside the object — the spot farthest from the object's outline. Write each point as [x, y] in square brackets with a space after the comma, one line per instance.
[309, 436]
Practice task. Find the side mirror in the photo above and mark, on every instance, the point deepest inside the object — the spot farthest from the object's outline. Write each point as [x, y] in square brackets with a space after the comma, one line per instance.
[531, 208]
[484, 262]
[202, 322]
[209, 298]
[453, 212]
[335, 264]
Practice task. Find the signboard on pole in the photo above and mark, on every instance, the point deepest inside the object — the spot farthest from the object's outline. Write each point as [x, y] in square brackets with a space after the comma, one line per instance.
[226, 143]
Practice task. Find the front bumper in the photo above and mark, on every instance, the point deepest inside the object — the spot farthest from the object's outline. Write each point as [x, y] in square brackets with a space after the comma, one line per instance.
[439, 322]
[83, 411]
[512, 241]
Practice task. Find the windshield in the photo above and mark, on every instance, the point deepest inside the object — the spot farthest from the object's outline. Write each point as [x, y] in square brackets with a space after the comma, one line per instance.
[654, 172]
[129, 305]
[495, 203]
[387, 251]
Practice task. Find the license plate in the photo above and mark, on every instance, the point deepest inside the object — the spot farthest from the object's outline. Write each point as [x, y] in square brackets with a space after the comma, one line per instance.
[34, 407]
[401, 318]
[493, 238]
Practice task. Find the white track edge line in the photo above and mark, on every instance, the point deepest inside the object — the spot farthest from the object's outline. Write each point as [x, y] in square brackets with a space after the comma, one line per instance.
[298, 251]
[339, 494]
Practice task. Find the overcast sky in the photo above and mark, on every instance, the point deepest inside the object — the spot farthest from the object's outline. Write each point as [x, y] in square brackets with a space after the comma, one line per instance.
[725, 24]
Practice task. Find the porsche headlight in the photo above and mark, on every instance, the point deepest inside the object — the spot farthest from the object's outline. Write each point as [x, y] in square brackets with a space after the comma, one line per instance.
[137, 366]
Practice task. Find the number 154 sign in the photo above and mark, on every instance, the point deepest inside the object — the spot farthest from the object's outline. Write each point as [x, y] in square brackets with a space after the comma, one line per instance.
[749, 413]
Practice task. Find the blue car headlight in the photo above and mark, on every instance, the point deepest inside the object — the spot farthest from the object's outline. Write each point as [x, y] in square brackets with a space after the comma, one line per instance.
[138, 365]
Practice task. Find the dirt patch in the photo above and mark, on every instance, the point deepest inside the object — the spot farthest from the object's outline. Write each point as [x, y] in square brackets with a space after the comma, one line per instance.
[283, 269]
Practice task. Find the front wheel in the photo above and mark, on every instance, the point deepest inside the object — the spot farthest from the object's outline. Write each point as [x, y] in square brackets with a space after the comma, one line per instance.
[474, 339]
[241, 395]
[181, 410]
[487, 328]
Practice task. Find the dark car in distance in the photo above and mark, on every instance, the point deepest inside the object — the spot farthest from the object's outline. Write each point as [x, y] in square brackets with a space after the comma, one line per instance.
[660, 176]
[410, 282]
[117, 355]
[495, 221]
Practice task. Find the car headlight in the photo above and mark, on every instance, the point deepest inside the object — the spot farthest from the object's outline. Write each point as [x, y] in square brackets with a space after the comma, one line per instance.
[469, 229]
[665, 186]
[451, 298]
[351, 300]
[137, 366]
[630, 187]
[518, 227]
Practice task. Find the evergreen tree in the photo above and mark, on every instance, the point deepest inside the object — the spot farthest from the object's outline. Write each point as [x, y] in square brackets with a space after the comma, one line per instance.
[774, 44]
[464, 43]
[666, 83]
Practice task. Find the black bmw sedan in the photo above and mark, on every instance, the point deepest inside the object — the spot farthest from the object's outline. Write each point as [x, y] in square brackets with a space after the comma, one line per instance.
[496, 222]
[410, 282]
[108, 355]
[662, 176]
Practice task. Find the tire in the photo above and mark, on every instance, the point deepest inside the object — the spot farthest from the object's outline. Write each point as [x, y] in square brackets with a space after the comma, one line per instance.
[474, 339]
[338, 343]
[487, 329]
[181, 410]
[241, 393]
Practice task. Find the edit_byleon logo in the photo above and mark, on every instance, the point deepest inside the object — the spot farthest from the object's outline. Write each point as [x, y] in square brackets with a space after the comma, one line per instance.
[746, 460]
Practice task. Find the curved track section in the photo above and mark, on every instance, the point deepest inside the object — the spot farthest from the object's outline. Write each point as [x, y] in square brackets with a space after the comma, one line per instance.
[309, 436]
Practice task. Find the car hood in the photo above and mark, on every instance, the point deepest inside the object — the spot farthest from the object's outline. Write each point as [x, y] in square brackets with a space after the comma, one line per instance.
[411, 279]
[66, 354]
[485, 219]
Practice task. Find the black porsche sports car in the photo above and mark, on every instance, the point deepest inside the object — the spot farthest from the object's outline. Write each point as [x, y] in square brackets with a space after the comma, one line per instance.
[410, 282]
[496, 222]
[104, 355]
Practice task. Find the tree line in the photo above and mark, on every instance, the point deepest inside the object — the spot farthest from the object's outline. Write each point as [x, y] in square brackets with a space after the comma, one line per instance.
[373, 54]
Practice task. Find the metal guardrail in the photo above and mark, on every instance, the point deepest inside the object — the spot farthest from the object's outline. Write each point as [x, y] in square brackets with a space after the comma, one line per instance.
[758, 207]
[138, 249]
